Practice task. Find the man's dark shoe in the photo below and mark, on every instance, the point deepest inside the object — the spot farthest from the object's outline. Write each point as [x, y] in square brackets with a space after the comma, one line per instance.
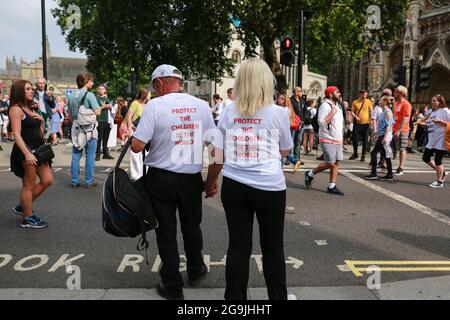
[363, 159]
[108, 157]
[169, 293]
[353, 157]
[193, 282]
[1, 149]
[97, 157]
[410, 151]
[371, 177]
[388, 177]
[335, 191]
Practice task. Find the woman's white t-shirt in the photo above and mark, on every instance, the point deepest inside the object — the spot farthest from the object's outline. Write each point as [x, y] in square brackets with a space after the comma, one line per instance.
[252, 146]
[436, 133]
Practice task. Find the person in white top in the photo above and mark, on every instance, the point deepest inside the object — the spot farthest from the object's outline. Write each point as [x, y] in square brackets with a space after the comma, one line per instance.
[255, 137]
[437, 126]
[218, 107]
[308, 128]
[175, 126]
[331, 122]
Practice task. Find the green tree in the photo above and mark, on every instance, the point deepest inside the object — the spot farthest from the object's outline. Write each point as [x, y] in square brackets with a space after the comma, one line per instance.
[336, 31]
[118, 35]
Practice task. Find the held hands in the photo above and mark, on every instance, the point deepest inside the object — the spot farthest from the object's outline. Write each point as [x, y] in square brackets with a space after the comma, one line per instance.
[211, 189]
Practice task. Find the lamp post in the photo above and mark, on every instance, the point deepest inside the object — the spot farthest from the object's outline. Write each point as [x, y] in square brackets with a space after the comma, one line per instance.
[44, 40]
[133, 83]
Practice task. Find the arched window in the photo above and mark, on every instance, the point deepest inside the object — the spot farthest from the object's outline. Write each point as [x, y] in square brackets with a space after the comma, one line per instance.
[236, 57]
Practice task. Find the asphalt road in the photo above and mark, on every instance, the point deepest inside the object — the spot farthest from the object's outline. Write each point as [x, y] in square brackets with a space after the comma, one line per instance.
[401, 224]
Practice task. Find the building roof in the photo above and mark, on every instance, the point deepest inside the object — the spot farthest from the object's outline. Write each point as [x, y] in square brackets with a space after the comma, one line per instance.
[65, 70]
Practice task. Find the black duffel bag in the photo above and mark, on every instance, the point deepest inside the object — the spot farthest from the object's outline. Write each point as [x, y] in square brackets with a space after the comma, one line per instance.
[127, 209]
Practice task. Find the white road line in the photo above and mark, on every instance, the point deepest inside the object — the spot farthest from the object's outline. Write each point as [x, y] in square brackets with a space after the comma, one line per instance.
[321, 243]
[304, 223]
[417, 206]
[57, 170]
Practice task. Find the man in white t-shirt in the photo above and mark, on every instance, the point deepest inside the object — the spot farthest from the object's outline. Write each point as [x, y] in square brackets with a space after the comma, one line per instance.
[175, 126]
[331, 122]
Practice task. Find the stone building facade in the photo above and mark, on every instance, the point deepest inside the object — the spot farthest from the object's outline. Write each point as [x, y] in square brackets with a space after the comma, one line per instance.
[425, 41]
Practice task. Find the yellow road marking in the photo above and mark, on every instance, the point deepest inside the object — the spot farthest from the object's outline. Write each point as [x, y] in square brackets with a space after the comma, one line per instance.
[358, 267]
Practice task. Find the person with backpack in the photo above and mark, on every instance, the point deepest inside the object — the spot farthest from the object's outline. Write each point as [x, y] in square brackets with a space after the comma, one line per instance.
[331, 138]
[84, 135]
[308, 128]
[174, 126]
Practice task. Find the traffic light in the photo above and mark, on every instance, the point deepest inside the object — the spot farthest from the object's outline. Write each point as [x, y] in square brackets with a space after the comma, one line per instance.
[287, 55]
[424, 77]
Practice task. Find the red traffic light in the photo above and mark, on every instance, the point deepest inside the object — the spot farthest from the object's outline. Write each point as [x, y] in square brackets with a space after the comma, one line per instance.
[287, 43]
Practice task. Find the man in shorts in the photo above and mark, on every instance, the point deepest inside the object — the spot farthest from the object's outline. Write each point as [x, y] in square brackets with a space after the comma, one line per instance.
[331, 122]
[402, 111]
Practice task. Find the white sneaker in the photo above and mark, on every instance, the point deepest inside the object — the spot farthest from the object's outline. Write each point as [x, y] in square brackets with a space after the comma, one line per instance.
[437, 185]
[292, 297]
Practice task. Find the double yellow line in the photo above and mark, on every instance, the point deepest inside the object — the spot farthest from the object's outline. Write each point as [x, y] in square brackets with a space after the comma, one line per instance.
[360, 267]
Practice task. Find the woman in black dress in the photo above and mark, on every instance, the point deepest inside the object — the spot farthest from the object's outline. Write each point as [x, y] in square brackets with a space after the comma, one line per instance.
[27, 126]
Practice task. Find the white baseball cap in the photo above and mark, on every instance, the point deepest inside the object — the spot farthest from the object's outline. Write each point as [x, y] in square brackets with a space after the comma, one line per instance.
[165, 71]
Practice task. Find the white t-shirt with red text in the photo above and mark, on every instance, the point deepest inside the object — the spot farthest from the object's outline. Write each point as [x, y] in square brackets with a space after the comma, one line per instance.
[252, 146]
[177, 126]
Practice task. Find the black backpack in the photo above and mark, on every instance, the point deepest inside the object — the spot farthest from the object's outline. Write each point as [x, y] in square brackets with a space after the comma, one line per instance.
[308, 117]
[127, 209]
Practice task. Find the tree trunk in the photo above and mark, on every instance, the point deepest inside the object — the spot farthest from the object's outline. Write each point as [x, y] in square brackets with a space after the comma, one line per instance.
[270, 56]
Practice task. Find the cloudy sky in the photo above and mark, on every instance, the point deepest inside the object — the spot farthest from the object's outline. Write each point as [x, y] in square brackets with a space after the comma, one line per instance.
[20, 31]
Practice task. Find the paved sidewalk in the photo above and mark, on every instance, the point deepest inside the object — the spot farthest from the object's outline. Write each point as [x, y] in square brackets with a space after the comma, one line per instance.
[423, 289]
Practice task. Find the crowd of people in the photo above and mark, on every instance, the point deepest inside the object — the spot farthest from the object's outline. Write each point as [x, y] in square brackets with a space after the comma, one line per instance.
[248, 138]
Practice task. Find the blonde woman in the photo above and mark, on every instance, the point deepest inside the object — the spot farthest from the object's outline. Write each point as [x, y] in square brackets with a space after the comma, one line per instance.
[254, 182]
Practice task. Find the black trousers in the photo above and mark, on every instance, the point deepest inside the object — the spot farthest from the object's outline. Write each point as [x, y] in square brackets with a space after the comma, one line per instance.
[171, 191]
[379, 148]
[362, 130]
[104, 129]
[241, 202]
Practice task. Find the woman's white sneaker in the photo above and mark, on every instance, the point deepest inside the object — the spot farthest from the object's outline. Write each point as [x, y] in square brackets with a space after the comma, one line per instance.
[437, 185]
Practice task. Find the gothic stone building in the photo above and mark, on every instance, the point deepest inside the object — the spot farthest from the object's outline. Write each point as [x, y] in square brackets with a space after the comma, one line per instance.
[425, 41]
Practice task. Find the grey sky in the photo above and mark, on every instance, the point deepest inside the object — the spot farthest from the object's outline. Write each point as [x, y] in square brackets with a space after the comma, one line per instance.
[20, 31]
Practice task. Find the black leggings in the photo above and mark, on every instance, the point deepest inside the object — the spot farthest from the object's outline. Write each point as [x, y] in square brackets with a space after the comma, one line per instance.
[241, 202]
[438, 159]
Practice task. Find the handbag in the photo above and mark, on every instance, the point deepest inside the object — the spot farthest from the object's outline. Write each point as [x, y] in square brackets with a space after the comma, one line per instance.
[296, 125]
[43, 154]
